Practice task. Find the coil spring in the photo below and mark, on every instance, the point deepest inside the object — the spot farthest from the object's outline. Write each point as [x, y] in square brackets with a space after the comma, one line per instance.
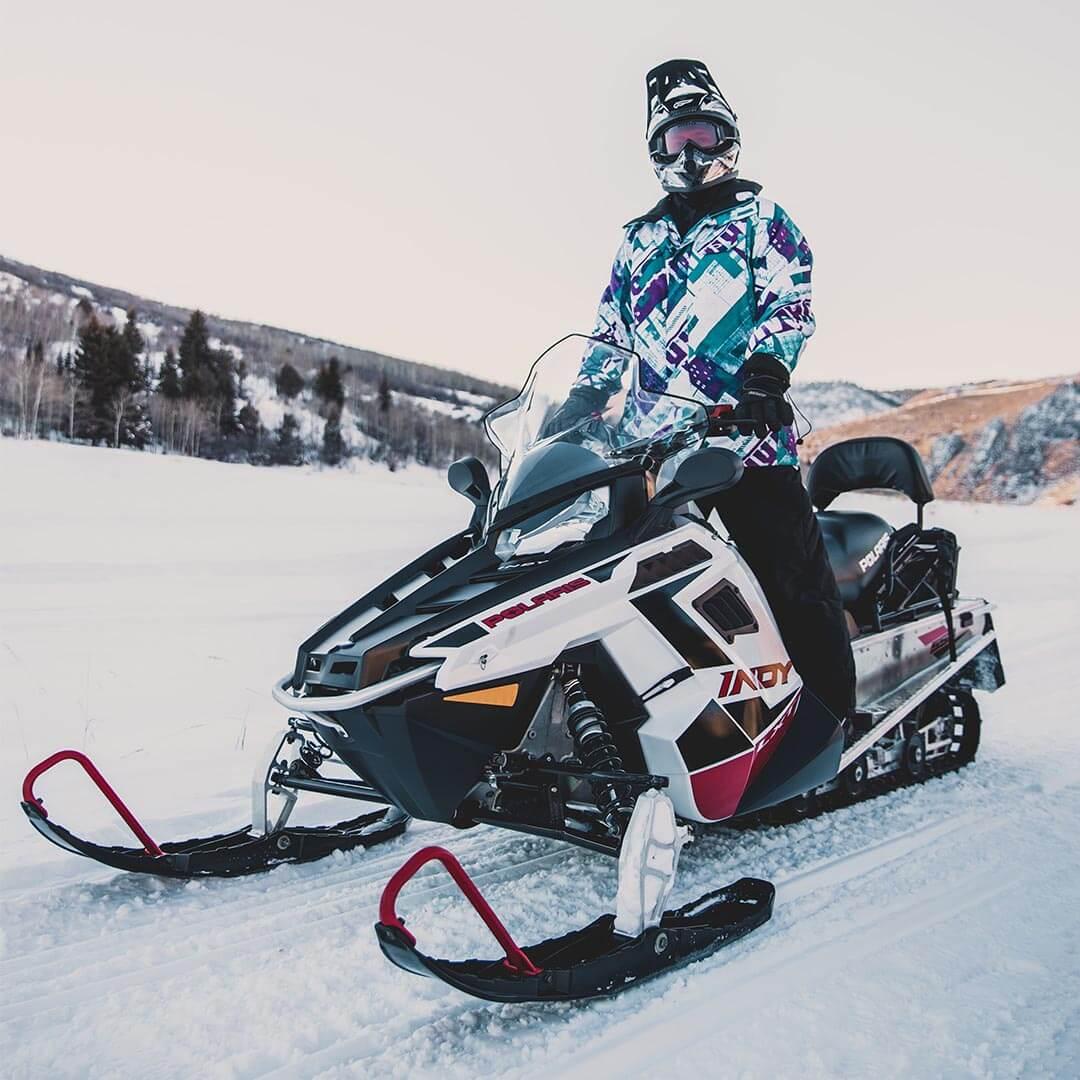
[588, 726]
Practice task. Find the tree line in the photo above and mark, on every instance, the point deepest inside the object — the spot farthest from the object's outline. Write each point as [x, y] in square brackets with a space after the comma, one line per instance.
[101, 387]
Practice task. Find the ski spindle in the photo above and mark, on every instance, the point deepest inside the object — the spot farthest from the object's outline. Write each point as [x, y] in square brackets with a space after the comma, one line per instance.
[103, 786]
[516, 959]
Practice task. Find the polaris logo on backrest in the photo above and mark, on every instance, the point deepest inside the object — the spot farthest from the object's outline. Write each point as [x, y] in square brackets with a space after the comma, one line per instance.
[874, 553]
[520, 608]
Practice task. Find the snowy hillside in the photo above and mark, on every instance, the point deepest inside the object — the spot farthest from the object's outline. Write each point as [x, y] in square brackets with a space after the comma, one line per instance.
[827, 403]
[258, 344]
[931, 932]
[391, 410]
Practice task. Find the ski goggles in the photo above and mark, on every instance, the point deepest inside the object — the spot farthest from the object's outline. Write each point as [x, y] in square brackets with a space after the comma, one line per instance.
[706, 135]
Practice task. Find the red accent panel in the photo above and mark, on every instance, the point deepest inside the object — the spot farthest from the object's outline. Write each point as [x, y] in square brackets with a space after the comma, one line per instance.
[516, 959]
[718, 789]
[933, 635]
[103, 786]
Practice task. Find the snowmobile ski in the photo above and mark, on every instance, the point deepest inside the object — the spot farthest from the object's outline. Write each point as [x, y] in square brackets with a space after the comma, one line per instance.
[245, 851]
[592, 962]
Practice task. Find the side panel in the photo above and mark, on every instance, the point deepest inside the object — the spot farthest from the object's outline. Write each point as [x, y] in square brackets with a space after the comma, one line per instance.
[715, 728]
[807, 756]
[534, 629]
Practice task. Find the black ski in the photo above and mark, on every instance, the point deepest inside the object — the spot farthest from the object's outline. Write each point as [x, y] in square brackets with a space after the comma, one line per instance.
[588, 963]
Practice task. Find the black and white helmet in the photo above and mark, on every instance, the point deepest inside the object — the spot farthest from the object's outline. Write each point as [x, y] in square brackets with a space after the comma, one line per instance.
[692, 131]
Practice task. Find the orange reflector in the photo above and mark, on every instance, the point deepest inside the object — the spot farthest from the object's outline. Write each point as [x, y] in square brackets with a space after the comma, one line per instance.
[505, 695]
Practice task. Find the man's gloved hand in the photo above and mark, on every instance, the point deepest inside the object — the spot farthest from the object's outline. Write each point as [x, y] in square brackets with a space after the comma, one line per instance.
[765, 381]
[581, 403]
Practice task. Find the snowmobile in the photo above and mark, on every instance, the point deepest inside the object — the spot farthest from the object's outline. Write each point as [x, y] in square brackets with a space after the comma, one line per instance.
[591, 660]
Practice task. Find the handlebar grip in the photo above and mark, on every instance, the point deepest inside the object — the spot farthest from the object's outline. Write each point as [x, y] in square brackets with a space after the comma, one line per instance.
[725, 420]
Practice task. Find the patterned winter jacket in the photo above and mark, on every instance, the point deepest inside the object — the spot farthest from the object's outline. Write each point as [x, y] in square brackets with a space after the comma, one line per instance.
[696, 307]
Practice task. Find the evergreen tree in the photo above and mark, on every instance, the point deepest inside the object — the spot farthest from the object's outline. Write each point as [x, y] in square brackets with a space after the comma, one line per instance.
[169, 377]
[249, 420]
[289, 382]
[91, 367]
[333, 445]
[250, 430]
[329, 388]
[195, 374]
[288, 448]
[112, 379]
[385, 400]
[207, 375]
[131, 415]
[133, 340]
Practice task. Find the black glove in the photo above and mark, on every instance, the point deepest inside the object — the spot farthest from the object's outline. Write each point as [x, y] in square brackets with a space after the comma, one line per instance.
[580, 403]
[765, 382]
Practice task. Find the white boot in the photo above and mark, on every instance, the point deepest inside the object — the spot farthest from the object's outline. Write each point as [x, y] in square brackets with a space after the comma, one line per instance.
[647, 862]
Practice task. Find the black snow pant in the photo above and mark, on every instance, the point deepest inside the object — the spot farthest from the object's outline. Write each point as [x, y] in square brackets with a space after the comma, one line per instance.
[769, 516]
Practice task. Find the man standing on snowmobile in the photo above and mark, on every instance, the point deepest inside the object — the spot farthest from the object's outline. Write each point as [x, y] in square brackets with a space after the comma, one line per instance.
[711, 288]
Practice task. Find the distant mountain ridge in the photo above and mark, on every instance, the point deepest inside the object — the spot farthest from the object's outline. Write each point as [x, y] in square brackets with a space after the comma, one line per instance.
[253, 340]
[996, 441]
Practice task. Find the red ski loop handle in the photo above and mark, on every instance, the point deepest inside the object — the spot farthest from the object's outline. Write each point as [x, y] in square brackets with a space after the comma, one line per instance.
[104, 787]
[516, 959]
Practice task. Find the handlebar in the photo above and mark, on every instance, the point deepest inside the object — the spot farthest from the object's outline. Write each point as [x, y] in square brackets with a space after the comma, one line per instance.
[729, 421]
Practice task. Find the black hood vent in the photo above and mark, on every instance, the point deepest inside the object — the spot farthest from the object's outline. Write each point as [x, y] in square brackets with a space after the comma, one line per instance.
[725, 609]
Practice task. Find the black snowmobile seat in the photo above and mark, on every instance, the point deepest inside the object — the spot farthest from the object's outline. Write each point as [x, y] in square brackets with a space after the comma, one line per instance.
[856, 543]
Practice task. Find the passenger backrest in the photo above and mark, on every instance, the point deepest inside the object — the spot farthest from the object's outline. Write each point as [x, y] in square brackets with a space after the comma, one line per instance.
[879, 461]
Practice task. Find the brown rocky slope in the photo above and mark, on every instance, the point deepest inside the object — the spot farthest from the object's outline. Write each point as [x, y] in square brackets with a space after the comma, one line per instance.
[990, 442]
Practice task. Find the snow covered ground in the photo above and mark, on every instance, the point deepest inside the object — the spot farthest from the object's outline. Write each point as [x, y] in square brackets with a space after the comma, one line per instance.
[146, 604]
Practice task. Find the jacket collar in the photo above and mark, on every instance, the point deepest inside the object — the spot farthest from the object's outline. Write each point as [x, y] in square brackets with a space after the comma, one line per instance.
[685, 211]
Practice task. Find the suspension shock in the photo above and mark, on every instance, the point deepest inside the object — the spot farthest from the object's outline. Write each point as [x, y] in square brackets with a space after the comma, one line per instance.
[595, 746]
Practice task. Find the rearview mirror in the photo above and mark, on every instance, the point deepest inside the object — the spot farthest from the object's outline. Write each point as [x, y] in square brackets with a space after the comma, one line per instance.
[705, 472]
[468, 477]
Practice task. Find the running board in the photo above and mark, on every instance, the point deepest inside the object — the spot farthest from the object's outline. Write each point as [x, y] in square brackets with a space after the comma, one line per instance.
[910, 695]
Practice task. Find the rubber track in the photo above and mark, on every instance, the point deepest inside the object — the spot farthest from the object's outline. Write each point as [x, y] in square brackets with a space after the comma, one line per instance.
[788, 814]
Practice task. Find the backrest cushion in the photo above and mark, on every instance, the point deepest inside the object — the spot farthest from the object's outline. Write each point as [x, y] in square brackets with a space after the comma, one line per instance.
[879, 461]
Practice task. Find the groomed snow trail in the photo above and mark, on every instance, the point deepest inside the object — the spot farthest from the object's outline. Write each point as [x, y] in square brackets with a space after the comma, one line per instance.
[145, 606]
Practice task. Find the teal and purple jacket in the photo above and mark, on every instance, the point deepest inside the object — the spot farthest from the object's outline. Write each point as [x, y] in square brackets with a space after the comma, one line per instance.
[696, 305]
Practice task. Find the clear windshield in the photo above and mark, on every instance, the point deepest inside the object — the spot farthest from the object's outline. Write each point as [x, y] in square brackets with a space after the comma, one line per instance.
[591, 399]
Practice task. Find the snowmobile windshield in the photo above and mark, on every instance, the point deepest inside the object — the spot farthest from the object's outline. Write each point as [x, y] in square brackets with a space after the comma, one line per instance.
[586, 405]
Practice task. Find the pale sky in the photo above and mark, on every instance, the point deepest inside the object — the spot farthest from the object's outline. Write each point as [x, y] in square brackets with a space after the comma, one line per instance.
[447, 181]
